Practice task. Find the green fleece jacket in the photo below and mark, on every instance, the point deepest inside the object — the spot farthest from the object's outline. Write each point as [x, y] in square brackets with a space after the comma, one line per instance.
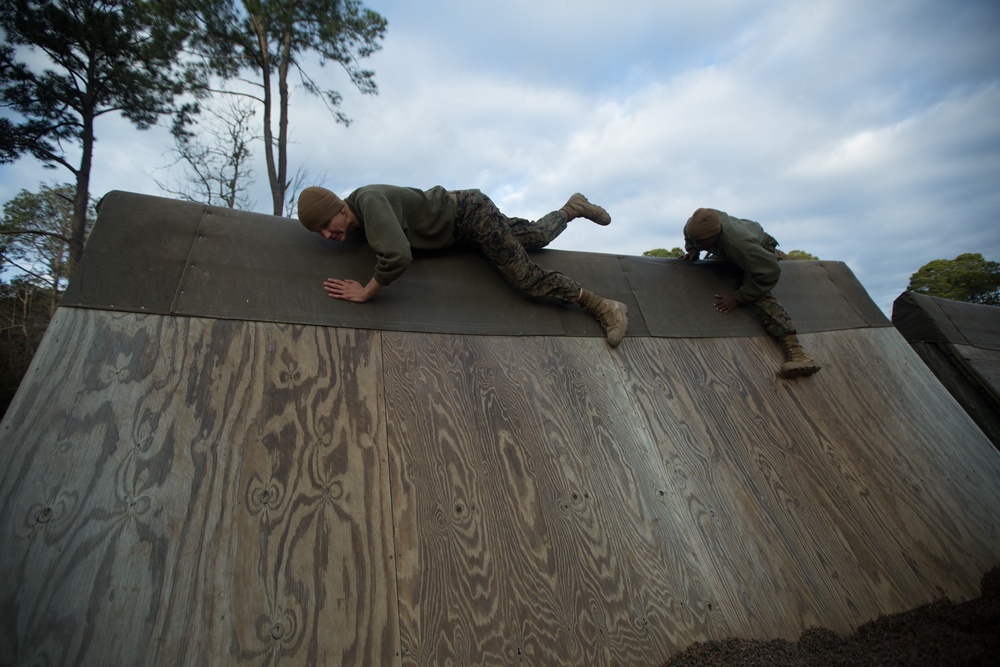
[395, 220]
[741, 243]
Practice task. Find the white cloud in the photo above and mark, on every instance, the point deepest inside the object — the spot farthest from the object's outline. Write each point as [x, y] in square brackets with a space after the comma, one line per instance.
[861, 132]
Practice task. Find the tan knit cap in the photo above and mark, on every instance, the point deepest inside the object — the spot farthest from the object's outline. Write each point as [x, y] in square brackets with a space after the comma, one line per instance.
[703, 224]
[316, 207]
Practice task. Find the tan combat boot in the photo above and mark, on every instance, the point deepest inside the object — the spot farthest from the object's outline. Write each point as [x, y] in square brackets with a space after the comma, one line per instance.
[613, 315]
[797, 362]
[579, 207]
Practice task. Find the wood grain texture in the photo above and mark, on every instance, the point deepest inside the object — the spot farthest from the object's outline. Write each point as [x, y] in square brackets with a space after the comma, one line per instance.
[555, 503]
[972, 376]
[192, 491]
[186, 491]
[529, 509]
[986, 364]
[862, 490]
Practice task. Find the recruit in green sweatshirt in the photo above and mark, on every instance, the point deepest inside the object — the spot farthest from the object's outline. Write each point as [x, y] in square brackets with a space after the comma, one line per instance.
[397, 219]
[741, 242]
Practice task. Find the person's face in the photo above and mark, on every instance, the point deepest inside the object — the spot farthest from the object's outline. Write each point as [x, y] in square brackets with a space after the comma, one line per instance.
[336, 228]
[705, 245]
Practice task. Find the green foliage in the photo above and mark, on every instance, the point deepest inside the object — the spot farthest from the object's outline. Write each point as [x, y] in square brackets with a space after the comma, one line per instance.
[675, 253]
[35, 239]
[969, 277]
[266, 40]
[65, 63]
[264, 35]
[35, 230]
[104, 56]
[799, 254]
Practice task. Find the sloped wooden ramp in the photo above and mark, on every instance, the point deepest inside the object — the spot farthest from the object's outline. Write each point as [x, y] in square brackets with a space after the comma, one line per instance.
[183, 486]
[960, 343]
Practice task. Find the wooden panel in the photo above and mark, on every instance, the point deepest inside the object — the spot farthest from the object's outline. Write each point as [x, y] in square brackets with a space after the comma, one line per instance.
[183, 491]
[972, 376]
[531, 516]
[823, 501]
[555, 501]
[186, 491]
[986, 364]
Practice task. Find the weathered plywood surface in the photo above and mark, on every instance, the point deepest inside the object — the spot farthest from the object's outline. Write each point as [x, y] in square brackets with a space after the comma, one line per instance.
[191, 491]
[530, 509]
[562, 504]
[824, 501]
[985, 364]
[187, 491]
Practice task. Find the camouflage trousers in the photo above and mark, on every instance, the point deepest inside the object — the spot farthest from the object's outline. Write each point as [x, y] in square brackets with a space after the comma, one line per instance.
[776, 320]
[504, 242]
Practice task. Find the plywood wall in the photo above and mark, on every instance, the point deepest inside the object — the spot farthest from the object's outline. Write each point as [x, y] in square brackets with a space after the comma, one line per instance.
[197, 491]
[187, 491]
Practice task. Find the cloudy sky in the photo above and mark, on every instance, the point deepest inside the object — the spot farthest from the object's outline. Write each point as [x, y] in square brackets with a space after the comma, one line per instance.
[859, 131]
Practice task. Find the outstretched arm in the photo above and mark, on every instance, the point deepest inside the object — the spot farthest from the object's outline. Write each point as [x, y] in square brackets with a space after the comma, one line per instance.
[351, 290]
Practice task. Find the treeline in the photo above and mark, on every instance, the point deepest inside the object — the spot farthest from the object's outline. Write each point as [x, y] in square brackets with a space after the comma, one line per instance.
[25, 311]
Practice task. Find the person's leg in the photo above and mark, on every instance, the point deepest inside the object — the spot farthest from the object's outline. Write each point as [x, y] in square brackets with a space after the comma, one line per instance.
[541, 232]
[480, 222]
[776, 320]
[778, 323]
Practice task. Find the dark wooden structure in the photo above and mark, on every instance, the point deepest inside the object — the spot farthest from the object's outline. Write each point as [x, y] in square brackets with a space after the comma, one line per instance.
[960, 343]
[210, 462]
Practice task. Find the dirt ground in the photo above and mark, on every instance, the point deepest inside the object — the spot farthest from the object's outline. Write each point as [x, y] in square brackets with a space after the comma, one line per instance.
[940, 634]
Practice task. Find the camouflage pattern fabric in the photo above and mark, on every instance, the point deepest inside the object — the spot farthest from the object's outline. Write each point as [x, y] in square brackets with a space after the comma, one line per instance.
[776, 320]
[503, 240]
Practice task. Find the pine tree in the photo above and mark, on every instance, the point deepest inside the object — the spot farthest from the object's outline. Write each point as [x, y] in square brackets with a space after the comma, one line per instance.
[99, 57]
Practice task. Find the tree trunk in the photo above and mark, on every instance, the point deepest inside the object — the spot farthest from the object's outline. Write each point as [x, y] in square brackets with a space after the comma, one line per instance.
[82, 197]
[265, 67]
[286, 57]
